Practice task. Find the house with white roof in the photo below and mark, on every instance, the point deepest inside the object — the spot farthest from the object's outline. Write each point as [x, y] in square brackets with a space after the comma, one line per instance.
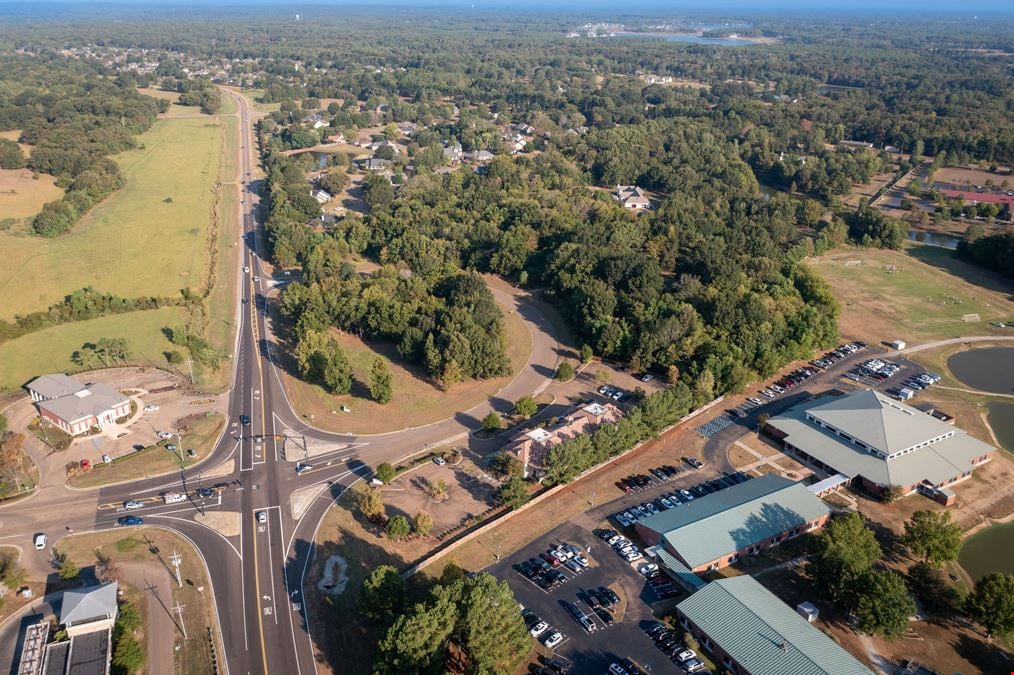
[532, 447]
[632, 197]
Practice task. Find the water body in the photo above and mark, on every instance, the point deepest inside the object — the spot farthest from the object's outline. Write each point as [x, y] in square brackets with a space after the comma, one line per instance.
[692, 39]
[986, 369]
[991, 550]
[1001, 419]
[931, 239]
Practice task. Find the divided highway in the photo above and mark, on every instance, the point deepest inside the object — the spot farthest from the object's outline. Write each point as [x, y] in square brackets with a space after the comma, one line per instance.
[257, 571]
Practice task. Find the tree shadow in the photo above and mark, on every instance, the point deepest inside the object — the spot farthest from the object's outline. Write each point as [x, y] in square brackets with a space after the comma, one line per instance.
[947, 260]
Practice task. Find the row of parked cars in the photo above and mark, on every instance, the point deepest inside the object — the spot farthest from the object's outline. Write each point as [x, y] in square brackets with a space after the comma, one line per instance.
[837, 354]
[673, 499]
[614, 393]
[670, 644]
[913, 385]
[542, 574]
[622, 546]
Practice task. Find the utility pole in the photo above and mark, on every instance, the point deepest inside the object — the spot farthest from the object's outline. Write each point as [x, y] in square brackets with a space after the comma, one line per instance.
[176, 560]
[179, 611]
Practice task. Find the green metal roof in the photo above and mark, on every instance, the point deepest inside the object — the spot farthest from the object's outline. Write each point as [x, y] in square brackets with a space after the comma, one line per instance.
[738, 517]
[763, 634]
[677, 570]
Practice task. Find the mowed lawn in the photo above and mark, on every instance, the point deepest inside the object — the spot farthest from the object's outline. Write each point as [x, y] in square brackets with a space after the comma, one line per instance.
[917, 295]
[49, 350]
[149, 238]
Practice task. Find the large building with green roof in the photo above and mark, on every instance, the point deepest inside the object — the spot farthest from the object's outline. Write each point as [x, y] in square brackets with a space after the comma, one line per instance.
[877, 442]
[716, 530]
[749, 631]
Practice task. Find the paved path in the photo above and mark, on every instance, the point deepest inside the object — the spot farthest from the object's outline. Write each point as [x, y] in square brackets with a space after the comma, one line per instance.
[949, 341]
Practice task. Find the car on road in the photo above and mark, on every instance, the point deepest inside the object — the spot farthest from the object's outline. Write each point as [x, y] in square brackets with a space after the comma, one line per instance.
[40, 541]
[647, 377]
[246, 269]
[132, 504]
[257, 277]
[126, 521]
[244, 420]
[150, 408]
[205, 492]
[262, 517]
[302, 468]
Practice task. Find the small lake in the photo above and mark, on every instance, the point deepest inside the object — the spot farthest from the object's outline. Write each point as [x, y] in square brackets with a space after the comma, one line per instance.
[986, 369]
[991, 550]
[931, 239]
[691, 39]
[1001, 420]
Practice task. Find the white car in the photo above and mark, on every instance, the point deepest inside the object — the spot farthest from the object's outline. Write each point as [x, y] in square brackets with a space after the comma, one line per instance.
[686, 655]
[150, 408]
[262, 517]
[131, 505]
[40, 541]
[647, 568]
[164, 435]
[439, 461]
[632, 556]
[257, 278]
[581, 560]
[106, 459]
[302, 468]
[539, 628]
[246, 269]
[553, 639]
[613, 538]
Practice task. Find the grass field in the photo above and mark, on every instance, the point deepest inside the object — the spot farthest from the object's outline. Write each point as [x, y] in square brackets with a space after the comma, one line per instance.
[148, 545]
[22, 197]
[923, 299]
[135, 242]
[49, 350]
[416, 399]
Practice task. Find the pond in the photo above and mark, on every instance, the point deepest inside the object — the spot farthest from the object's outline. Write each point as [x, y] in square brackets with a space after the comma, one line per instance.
[931, 239]
[691, 38]
[986, 369]
[991, 550]
[1001, 419]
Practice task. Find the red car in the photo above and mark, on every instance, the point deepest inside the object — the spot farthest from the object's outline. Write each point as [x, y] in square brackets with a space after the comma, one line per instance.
[86, 465]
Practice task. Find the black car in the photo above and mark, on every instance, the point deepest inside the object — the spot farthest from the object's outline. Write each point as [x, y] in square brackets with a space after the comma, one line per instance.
[574, 610]
[129, 520]
[609, 593]
[244, 420]
[205, 492]
[604, 616]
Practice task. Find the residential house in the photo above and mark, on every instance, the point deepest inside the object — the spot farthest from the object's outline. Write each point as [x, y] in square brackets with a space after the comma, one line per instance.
[453, 153]
[376, 165]
[532, 447]
[385, 144]
[878, 443]
[749, 631]
[74, 407]
[632, 197]
[481, 156]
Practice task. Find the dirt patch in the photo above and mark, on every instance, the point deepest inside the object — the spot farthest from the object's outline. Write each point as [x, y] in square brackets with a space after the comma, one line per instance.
[967, 176]
[226, 523]
[469, 493]
[22, 196]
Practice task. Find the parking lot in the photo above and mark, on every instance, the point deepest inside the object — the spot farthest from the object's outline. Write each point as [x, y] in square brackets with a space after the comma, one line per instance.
[619, 630]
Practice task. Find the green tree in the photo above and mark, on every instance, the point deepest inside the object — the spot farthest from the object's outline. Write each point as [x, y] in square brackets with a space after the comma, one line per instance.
[380, 381]
[586, 353]
[525, 407]
[68, 570]
[991, 603]
[371, 504]
[494, 632]
[398, 528]
[492, 422]
[932, 535]
[3, 423]
[883, 605]
[321, 358]
[10, 155]
[385, 472]
[514, 492]
[174, 357]
[505, 465]
[565, 371]
[422, 523]
[416, 641]
[128, 656]
[382, 594]
[840, 555]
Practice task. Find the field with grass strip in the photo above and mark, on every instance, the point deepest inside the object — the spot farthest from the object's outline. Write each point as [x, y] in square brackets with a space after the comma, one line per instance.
[149, 238]
[917, 295]
[22, 196]
[49, 350]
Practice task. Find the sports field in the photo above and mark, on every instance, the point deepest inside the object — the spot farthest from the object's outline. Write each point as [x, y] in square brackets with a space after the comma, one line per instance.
[149, 238]
[49, 350]
[917, 295]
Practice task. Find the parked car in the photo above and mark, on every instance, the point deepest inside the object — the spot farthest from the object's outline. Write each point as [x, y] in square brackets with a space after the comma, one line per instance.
[164, 435]
[553, 639]
[150, 408]
[439, 461]
[539, 628]
[694, 462]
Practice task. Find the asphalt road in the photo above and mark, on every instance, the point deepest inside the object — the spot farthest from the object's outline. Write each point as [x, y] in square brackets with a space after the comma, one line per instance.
[257, 575]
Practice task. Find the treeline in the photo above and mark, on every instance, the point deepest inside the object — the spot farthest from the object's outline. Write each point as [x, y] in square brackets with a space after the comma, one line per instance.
[656, 412]
[472, 621]
[82, 304]
[995, 252]
[198, 93]
[75, 113]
